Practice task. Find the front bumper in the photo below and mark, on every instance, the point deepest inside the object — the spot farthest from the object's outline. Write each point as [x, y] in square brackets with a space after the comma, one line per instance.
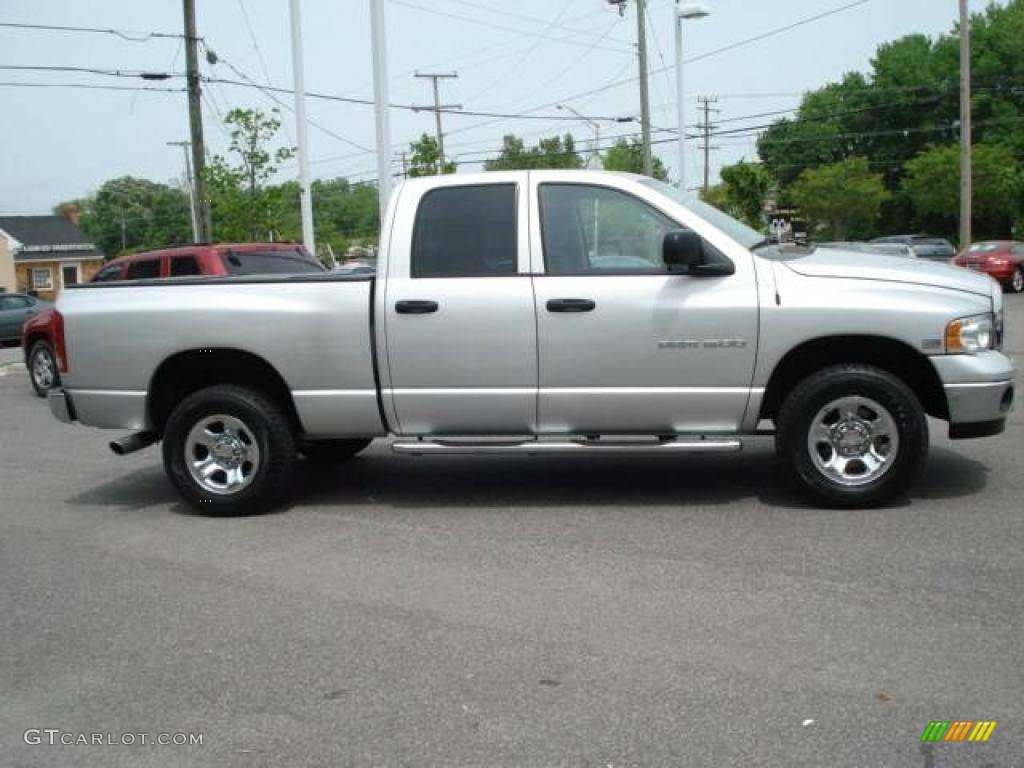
[979, 392]
[60, 405]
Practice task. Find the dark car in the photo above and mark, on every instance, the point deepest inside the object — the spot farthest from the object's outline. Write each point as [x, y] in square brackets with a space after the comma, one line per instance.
[15, 309]
[1000, 259]
[924, 246]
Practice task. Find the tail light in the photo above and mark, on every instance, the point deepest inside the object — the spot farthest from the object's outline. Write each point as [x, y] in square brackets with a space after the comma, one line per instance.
[60, 349]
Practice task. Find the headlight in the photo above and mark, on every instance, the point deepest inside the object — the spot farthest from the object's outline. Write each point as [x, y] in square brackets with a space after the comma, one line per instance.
[969, 335]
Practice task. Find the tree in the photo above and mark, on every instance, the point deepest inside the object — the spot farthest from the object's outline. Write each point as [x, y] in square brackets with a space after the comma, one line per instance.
[845, 198]
[629, 156]
[130, 214]
[746, 186]
[346, 214]
[242, 205]
[424, 156]
[933, 187]
[552, 152]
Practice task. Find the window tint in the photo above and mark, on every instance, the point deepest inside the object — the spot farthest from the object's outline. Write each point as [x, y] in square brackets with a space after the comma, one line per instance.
[107, 274]
[269, 263]
[14, 302]
[143, 268]
[587, 229]
[466, 232]
[184, 265]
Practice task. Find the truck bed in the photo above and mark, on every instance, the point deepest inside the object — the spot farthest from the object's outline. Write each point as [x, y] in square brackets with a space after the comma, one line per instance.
[313, 329]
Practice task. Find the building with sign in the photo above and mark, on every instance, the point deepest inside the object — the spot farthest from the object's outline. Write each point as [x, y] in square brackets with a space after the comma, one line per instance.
[42, 254]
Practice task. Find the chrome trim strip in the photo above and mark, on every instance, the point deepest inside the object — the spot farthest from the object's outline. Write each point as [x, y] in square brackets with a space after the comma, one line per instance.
[109, 392]
[334, 393]
[544, 447]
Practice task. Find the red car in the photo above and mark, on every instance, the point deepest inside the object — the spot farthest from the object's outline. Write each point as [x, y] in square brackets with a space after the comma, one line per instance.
[1002, 259]
[221, 260]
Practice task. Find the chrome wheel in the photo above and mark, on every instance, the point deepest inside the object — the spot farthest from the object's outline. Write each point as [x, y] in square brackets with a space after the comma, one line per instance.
[221, 454]
[853, 440]
[44, 369]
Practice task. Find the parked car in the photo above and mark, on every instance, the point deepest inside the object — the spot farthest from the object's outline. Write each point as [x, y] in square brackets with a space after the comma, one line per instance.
[890, 249]
[924, 246]
[184, 261]
[489, 328]
[356, 267]
[1001, 259]
[15, 309]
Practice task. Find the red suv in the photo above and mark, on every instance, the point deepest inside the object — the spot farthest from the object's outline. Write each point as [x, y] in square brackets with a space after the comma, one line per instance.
[219, 260]
[1002, 259]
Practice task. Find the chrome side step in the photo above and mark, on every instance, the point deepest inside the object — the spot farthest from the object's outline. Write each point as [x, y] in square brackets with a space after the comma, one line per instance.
[537, 447]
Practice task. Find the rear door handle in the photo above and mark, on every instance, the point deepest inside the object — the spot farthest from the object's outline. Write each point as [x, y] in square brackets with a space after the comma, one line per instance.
[413, 307]
[571, 305]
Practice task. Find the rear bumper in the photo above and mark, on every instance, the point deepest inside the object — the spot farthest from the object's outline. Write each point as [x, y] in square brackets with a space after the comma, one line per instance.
[980, 392]
[60, 405]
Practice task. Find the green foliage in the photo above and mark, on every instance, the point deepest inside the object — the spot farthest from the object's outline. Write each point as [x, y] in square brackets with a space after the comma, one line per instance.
[844, 198]
[345, 214]
[244, 207]
[629, 156]
[552, 152]
[746, 186]
[153, 216]
[424, 156]
[933, 187]
[904, 106]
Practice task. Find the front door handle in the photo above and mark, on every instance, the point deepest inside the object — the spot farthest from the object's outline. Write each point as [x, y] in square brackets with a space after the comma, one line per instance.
[413, 307]
[571, 305]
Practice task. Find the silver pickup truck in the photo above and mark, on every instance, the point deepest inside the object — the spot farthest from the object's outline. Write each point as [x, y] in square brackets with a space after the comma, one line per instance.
[544, 312]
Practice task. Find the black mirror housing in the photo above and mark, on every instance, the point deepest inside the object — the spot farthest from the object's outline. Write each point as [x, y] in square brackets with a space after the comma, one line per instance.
[682, 250]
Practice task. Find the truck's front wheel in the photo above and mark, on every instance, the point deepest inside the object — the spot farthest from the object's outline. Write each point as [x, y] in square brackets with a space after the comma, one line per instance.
[229, 451]
[852, 435]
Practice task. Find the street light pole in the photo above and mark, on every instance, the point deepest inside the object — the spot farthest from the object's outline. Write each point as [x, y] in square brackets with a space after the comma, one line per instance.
[190, 187]
[305, 199]
[682, 13]
[380, 104]
[965, 126]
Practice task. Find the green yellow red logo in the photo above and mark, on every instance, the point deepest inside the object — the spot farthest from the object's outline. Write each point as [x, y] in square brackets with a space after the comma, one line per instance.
[958, 730]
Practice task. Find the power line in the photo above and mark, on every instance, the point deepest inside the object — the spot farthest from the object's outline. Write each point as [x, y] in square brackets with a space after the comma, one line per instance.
[132, 37]
[480, 22]
[93, 71]
[93, 87]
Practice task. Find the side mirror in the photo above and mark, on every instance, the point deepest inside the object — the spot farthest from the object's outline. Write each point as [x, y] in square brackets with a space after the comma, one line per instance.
[682, 250]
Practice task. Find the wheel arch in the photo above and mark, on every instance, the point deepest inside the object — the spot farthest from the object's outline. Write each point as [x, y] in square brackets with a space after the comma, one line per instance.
[897, 357]
[188, 371]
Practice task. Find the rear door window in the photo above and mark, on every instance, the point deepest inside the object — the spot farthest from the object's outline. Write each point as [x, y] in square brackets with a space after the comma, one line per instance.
[269, 263]
[143, 269]
[467, 231]
[182, 266]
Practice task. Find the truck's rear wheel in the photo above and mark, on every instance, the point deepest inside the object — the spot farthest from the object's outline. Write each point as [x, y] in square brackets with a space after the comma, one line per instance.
[229, 451]
[42, 368]
[852, 435]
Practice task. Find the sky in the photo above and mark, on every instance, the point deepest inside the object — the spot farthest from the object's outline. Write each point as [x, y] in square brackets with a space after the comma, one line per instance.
[511, 58]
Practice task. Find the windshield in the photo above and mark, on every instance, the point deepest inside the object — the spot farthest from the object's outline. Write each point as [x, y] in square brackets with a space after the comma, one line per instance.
[984, 247]
[737, 230]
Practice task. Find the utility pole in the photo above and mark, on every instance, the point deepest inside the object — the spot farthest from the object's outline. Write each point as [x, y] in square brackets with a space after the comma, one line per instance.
[189, 187]
[436, 109]
[965, 126]
[195, 118]
[405, 166]
[299, 78]
[645, 106]
[380, 104]
[705, 127]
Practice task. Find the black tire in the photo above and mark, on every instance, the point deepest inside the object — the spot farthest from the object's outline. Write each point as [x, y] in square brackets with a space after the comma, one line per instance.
[1016, 284]
[40, 352]
[267, 428]
[333, 450]
[813, 395]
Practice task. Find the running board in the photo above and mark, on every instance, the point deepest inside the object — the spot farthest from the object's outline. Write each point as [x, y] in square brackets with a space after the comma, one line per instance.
[535, 447]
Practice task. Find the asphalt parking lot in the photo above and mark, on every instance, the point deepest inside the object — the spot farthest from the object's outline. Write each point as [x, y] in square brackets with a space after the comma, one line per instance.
[608, 611]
